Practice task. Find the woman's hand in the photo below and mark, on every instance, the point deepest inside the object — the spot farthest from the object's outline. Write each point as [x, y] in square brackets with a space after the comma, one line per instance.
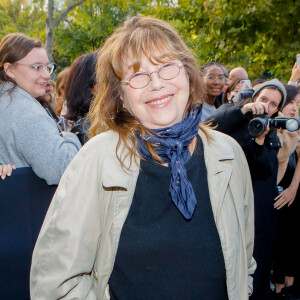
[286, 197]
[6, 170]
[295, 74]
[257, 108]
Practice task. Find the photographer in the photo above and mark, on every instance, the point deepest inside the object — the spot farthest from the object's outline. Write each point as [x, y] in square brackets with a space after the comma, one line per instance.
[261, 153]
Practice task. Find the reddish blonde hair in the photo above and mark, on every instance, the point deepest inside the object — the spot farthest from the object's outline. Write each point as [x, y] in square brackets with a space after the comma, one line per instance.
[59, 90]
[159, 42]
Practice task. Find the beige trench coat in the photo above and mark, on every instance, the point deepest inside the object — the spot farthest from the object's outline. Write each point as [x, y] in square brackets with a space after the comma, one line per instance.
[76, 248]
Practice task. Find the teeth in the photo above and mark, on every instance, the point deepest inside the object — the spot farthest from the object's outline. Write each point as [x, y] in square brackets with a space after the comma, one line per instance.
[160, 101]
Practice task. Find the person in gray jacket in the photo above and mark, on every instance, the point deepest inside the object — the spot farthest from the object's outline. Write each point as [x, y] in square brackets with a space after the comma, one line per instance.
[28, 135]
[158, 206]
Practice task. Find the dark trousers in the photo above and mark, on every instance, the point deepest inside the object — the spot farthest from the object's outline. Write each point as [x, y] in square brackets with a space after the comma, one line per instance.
[24, 200]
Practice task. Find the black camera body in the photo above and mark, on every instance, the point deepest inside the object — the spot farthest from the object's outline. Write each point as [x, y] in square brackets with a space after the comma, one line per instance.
[258, 125]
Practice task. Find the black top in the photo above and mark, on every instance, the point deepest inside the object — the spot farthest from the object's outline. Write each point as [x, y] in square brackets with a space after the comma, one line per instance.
[263, 165]
[161, 255]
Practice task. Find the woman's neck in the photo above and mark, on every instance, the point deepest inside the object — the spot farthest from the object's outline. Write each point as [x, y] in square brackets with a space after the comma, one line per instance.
[210, 100]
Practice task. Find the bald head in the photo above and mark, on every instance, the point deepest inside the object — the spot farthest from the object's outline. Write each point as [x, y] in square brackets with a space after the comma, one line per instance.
[238, 72]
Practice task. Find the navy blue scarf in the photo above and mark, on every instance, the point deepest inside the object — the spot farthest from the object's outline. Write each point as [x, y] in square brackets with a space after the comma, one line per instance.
[171, 144]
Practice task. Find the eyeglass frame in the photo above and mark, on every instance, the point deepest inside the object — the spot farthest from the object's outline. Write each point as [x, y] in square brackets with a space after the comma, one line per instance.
[37, 65]
[216, 78]
[149, 74]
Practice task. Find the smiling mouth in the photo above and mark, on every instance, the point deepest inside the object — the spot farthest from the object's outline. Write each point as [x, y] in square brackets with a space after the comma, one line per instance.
[160, 101]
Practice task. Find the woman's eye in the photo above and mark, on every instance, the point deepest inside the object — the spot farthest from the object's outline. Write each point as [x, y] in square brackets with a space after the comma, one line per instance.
[37, 67]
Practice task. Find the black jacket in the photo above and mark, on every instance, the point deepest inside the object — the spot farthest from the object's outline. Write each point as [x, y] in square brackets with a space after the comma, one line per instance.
[263, 165]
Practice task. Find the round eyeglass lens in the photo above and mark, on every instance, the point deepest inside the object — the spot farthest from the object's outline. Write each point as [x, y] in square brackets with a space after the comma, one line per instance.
[169, 71]
[139, 81]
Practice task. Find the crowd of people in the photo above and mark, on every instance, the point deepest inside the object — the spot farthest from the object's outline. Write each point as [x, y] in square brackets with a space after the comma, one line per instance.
[174, 181]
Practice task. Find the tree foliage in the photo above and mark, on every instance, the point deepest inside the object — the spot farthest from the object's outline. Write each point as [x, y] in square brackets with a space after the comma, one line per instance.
[260, 35]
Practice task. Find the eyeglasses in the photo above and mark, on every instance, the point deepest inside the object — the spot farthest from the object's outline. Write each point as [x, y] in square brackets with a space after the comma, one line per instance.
[40, 68]
[213, 79]
[140, 80]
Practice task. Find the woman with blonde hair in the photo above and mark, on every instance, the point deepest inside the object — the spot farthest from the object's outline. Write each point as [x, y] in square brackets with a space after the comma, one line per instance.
[59, 90]
[157, 206]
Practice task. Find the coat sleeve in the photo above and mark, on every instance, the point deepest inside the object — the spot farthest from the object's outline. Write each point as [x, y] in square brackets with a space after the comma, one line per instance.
[249, 221]
[64, 255]
[40, 144]
[227, 118]
[262, 159]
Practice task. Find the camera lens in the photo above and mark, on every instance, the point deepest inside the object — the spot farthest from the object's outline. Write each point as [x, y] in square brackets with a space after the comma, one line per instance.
[256, 127]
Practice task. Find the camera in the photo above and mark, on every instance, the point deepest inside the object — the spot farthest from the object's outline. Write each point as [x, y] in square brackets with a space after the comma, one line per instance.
[258, 125]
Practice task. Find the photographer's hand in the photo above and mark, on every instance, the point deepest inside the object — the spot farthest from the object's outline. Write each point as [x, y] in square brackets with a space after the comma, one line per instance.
[257, 108]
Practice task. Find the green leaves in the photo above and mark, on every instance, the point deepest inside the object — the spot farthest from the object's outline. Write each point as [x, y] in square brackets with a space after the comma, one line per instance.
[259, 35]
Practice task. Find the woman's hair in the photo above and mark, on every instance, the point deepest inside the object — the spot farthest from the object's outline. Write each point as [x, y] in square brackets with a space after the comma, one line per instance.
[258, 81]
[59, 90]
[291, 94]
[205, 66]
[51, 83]
[159, 42]
[79, 84]
[231, 86]
[14, 47]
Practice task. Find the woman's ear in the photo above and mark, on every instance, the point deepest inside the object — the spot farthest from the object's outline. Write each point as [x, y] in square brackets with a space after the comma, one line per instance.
[9, 70]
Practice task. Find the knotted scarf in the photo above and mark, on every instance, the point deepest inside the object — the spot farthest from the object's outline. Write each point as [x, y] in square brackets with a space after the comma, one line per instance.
[171, 145]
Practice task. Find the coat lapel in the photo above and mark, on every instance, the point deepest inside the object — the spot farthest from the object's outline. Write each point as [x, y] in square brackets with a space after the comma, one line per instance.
[216, 151]
[113, 174]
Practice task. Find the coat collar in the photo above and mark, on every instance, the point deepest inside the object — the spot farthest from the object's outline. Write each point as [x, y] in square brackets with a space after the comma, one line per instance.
[216, 150]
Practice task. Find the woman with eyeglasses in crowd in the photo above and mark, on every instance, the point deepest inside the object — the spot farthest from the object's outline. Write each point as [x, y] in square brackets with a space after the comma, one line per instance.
[158, 206]
[214, 80]
[29, 137]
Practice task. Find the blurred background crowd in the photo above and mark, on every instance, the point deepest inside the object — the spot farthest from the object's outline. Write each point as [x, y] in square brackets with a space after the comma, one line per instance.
[47, 130]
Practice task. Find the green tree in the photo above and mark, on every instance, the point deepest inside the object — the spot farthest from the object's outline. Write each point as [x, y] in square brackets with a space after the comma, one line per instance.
[259, 34]
[87, 27]
[15, 16]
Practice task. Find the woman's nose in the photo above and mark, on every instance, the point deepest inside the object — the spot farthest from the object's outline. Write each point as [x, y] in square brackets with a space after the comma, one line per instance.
[156, 82]
[45, 74]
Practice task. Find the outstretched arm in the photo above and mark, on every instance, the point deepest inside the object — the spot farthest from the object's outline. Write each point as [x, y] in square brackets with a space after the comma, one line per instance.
[287, 197]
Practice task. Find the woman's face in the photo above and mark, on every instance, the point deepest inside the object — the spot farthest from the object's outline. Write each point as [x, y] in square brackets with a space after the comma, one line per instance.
[271, 98]
[234, 92]
[214, 80]
[292, 109]
[162, 102]
[26, 77]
